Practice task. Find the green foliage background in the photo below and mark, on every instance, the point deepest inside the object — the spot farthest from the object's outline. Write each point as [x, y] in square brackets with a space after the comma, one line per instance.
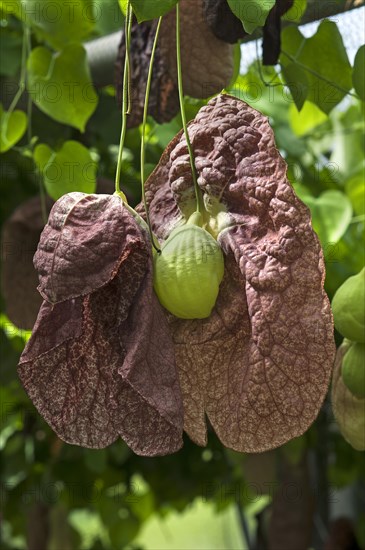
[103, 499]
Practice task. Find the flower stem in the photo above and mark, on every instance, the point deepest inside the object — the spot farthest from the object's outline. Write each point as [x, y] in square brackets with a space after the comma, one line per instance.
[125, 98]
[143, 138]
[198, 196]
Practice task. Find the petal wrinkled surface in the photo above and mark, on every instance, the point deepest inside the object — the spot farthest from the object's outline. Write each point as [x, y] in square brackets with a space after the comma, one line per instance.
[259, 367]
[102, 365]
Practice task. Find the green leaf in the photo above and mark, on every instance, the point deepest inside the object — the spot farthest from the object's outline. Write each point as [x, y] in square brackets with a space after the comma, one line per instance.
[145, 10]
[236, 64]
[331, 215]
[308, 118]
[123, 5]
[108, 17]
[296, 12]
[297, 82]
[96, 460]
[59, 22]
[11, 7]
[253, 14]
[69, 169]
[348, 141]
[358, 76]
[12, 128]
[324, 59]
[355, 190]
[10, 53]
[60, 85]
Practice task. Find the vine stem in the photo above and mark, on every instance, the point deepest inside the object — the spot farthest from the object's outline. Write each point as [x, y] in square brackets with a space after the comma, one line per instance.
[125, 99]
[199, 200]
[23, 69]
[29, 103]
[358, 219]
[143, 138]
[22, 77]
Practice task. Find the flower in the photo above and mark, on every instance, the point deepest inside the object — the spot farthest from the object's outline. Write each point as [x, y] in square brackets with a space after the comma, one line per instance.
[106, 360]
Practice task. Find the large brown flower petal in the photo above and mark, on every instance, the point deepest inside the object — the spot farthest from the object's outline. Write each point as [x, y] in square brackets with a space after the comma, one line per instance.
[103, 366]
[82, 245]
[207, 63]
[19, 241]
[260, 365]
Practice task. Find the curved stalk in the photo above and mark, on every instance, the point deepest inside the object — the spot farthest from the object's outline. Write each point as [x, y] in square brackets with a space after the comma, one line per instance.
[198, 195]
[143, 138]
[125, 99]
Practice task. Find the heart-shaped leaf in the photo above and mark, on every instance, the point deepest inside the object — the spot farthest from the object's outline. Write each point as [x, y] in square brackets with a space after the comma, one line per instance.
[60, 84]
[324, 59]
[253, 14]
[12, 128]
[297, 82]
[358, 77]
[146, 10]
[69, 169]
[309, 117]
[59, 22]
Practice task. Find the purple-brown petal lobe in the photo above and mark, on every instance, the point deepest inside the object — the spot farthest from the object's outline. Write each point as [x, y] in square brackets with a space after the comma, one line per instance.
[259, 367]
[102, 365]
[82, 244]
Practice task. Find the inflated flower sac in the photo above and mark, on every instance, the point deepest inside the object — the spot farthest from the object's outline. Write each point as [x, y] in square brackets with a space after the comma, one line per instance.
[348, 408]
[100, 362]
[188, 271]
[260, 365]
[348, 308]
[353, 369]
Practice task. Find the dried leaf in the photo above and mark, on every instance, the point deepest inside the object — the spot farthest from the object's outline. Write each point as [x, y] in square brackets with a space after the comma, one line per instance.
[271, 46]
[226, 26]
[259, 367]
[19, 279]
[207, 63]
[348, 409]
[164, 101]
[102, 365]
[223, 22]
